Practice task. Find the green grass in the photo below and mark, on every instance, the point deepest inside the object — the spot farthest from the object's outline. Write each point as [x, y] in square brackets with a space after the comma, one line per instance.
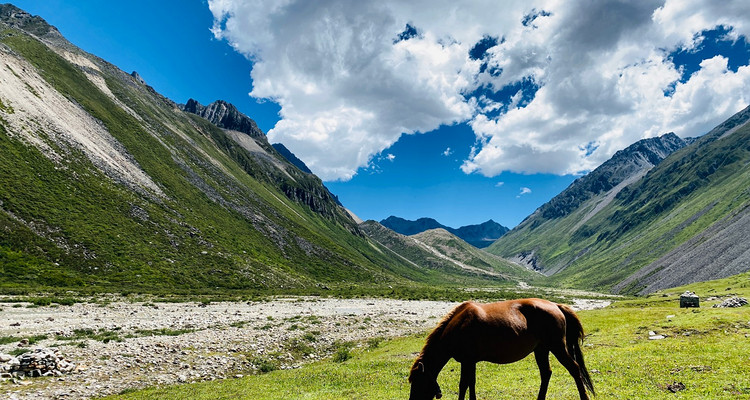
[13, 339]
[102, 335]
[706, 349]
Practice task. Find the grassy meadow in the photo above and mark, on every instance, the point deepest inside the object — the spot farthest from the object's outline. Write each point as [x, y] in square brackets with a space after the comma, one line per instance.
[707, 350]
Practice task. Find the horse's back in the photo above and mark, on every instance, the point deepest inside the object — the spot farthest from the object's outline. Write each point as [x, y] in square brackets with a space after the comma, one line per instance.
[505, 331]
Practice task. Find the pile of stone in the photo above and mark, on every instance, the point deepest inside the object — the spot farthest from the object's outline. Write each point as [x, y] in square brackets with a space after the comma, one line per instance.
[732, 302]
[40, 362]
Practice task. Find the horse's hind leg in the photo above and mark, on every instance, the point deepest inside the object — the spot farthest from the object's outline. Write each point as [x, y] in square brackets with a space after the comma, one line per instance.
[468, 380]
[573, 368]
[542, 360]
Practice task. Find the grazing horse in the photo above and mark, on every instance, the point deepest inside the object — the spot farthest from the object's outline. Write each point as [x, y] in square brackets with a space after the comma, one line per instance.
[501, 333]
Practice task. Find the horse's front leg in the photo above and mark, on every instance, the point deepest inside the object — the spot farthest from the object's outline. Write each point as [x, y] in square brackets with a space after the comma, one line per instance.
[468, 380]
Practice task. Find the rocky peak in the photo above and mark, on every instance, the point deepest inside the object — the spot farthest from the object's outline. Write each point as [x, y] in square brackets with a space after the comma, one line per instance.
[16, 18]
[224, 115]
[651, 150]
[641, 155]
[138, 77]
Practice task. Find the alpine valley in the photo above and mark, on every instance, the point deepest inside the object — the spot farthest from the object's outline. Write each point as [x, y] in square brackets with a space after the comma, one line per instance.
[106, 185]
[109, 186]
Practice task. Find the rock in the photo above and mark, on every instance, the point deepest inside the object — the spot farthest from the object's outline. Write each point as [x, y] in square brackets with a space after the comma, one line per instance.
[732, 302]
[138, 77]
[40, 362]
[675, 387]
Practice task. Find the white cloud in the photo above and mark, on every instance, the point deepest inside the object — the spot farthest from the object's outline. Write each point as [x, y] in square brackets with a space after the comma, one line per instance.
[499, 184]
[524, 190]
[447, 152]
[605, 82]
[348, 90]
[390, 157]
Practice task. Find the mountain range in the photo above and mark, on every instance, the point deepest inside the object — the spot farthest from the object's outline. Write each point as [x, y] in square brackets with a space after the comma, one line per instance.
[109, 186]
[480, 235]
[663, 212]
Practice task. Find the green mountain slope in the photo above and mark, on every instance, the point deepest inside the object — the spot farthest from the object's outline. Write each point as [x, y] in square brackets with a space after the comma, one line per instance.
[440, 250]
[108, 185]
[646, 232]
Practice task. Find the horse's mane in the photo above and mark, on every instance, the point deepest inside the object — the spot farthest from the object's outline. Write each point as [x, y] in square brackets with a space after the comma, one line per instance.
[436, 333]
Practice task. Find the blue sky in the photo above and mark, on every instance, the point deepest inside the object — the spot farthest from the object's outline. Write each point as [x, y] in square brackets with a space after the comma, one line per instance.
[459, 112]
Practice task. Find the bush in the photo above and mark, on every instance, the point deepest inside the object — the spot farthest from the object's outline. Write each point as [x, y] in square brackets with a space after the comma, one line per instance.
[343, 351]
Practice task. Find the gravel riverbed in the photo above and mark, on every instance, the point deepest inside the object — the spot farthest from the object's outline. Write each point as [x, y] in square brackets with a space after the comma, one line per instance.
[117, 345]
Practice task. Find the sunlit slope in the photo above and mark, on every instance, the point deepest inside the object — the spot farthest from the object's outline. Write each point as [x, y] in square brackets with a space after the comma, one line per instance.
[108, 185]
[682, 221]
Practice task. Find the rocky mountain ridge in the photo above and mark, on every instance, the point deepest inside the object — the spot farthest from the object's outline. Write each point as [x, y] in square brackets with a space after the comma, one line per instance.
[224, 115]
[623, 166]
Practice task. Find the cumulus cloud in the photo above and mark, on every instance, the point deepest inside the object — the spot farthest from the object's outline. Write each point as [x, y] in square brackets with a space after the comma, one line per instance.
[547, 86]
[606, 85]
[524, 190]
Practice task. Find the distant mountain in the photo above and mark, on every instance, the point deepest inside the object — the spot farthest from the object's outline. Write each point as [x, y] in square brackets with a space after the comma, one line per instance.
[408, 228]
[480, 236]
[661, 213]
[442, 251]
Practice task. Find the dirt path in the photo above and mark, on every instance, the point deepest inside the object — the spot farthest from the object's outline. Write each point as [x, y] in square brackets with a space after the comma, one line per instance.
[150, 343]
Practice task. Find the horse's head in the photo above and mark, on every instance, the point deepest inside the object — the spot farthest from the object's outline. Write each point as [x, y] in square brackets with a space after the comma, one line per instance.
[424, 386]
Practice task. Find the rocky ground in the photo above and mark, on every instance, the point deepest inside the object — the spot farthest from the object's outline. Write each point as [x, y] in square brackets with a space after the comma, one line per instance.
[114, 345]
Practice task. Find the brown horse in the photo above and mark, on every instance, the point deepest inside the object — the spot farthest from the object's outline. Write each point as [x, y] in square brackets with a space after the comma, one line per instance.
[501, 333]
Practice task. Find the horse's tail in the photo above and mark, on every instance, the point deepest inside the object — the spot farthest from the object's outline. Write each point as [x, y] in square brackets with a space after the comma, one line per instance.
[574, 339]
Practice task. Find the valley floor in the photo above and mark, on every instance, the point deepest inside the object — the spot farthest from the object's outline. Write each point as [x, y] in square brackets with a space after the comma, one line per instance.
[120, 345]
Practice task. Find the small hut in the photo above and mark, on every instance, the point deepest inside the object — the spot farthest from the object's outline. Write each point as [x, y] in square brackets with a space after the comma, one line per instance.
[689, 299]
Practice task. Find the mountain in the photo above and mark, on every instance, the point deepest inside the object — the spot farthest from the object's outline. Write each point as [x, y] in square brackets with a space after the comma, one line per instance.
[440, 250]
[407, 227]
[108, 185]
[625, 167]
[480, 236]
[224, 115]
[642, 222]
[227, 116]
[291, 157]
